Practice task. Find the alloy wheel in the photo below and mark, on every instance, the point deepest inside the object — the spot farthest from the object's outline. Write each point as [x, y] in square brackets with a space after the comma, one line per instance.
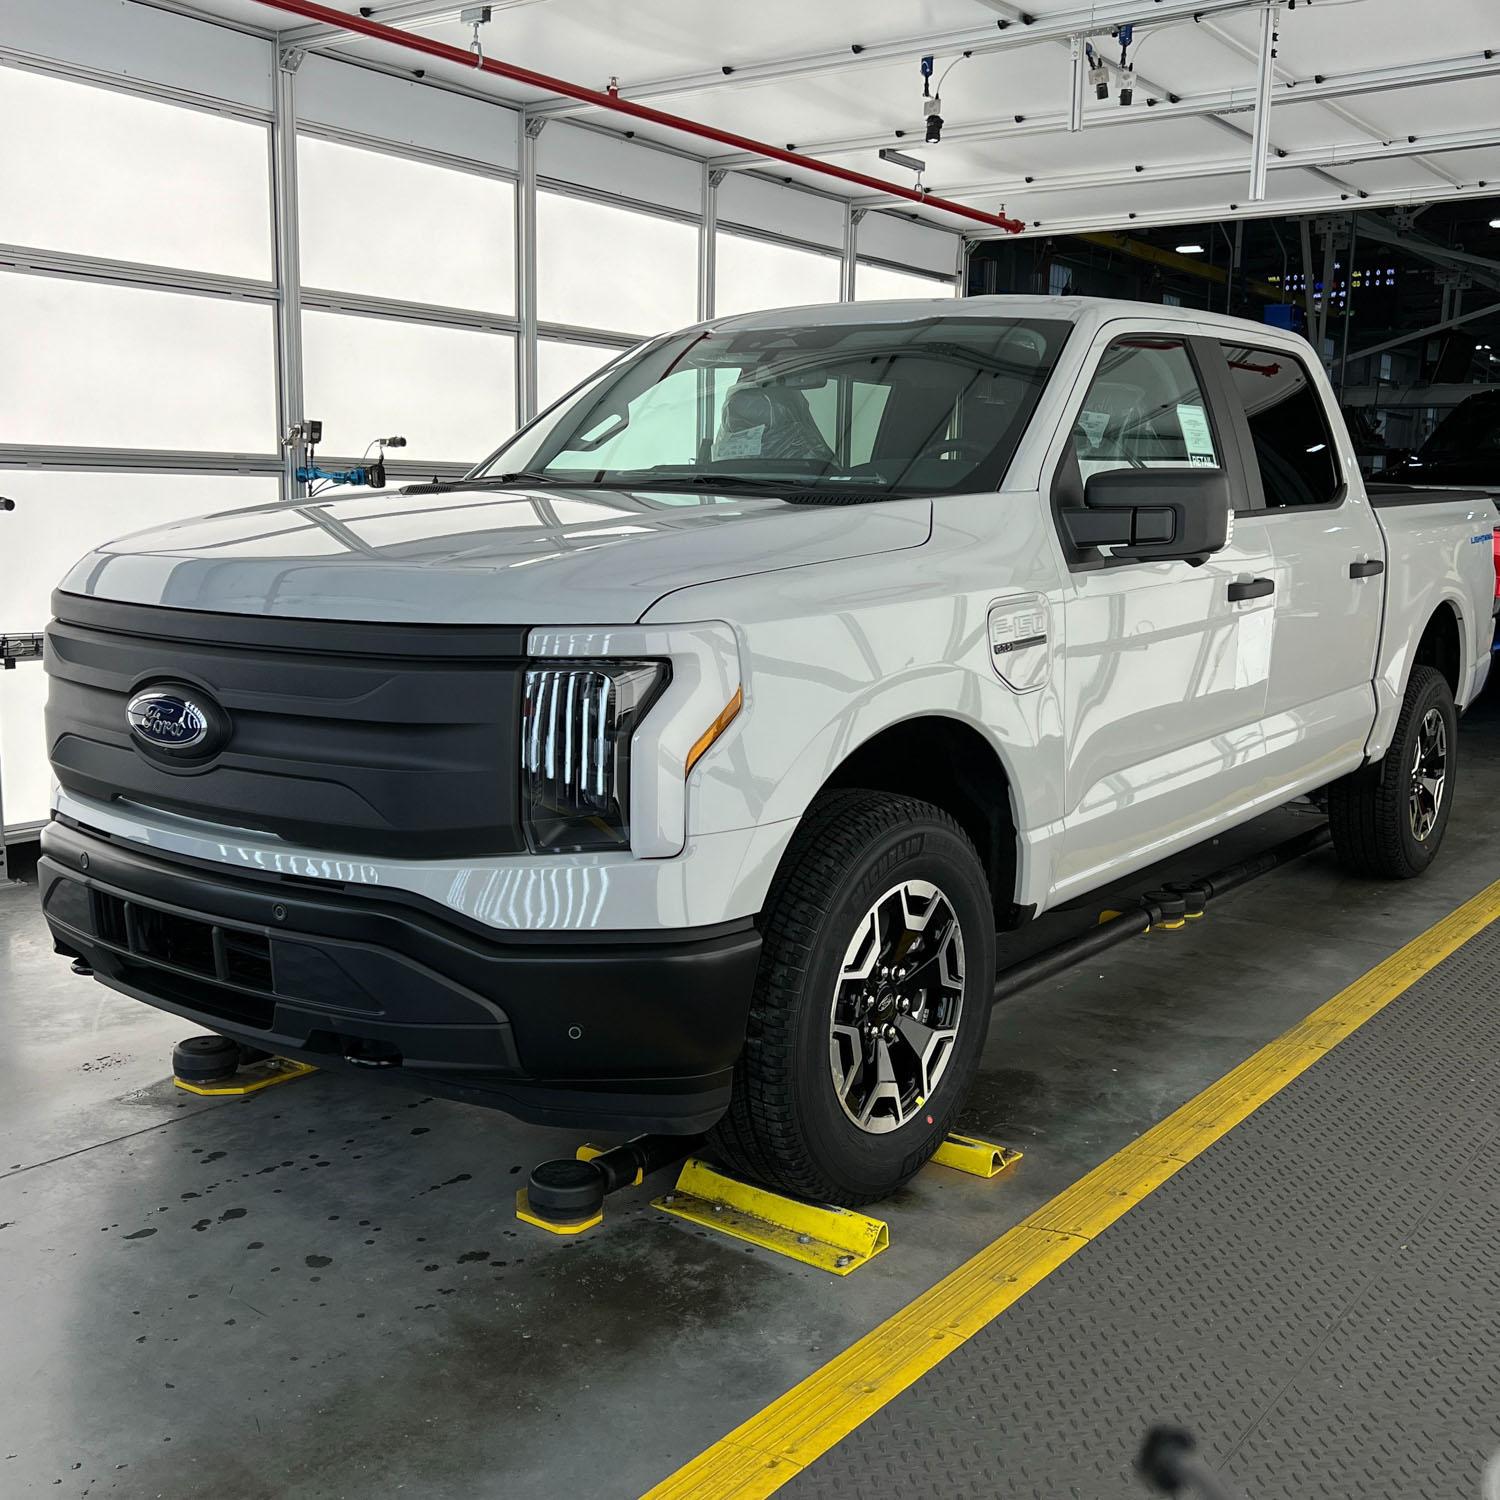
[1429, 774]
[896, 1007]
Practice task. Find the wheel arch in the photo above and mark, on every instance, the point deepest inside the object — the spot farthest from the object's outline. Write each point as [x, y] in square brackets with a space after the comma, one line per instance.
[945, 760]
[1441, 645]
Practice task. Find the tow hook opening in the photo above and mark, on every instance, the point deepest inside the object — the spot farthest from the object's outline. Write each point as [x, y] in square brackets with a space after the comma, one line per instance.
[364, 1052]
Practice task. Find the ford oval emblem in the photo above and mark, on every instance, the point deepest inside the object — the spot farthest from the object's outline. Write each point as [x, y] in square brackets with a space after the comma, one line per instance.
[167, 720]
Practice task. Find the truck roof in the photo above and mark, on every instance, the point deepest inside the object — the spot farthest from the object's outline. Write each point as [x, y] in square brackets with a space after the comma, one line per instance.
[1074, 309]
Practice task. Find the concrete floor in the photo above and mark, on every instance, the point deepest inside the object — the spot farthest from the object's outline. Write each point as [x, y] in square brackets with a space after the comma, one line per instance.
[322, 1291]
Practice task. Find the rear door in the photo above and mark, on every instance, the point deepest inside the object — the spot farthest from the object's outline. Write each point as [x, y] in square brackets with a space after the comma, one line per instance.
[1165, 663]
[1329, 558]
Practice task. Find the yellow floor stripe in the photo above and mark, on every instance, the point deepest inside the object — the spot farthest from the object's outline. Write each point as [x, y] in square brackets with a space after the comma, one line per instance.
[762, 1454]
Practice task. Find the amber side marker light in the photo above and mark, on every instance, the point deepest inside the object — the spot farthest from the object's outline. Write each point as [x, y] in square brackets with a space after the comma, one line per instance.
[705, 740]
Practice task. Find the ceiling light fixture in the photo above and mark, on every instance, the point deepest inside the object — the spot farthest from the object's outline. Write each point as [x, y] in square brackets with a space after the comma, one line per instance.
[1190, 249]
[901, 159]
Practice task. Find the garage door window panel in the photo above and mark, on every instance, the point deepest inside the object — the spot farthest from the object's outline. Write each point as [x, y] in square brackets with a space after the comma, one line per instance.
[751, 275]
[874, 282]
[83, 171]
[1295, 455]
[610, 268]
[110, 366]
[446, 390]
[441, 236]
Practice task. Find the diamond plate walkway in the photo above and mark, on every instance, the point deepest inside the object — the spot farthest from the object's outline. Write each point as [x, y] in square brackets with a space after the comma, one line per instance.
[1316, 1296]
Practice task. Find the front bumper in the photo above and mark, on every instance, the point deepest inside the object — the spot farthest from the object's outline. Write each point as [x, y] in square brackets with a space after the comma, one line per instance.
[607, 1031]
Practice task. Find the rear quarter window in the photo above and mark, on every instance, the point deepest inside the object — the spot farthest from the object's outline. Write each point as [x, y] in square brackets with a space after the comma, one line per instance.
[1294, 449]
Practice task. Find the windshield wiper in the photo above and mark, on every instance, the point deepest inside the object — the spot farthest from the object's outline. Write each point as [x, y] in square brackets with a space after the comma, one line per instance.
[657, 479]
[494, 482]
[793, 491]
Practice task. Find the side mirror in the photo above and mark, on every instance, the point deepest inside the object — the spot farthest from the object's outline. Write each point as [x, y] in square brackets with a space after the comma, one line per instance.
[1155, 515]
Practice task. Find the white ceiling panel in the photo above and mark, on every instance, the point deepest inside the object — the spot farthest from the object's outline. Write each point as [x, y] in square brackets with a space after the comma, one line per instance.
[1191, 199]
[1470, 105]
[1339, 35]
[1474, 166]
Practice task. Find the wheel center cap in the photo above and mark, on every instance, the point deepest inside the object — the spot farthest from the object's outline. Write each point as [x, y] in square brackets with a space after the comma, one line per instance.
[885, 1005]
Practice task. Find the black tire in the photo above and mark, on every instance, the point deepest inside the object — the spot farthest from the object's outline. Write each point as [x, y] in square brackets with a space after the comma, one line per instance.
[1370, 810]
[786, 1126]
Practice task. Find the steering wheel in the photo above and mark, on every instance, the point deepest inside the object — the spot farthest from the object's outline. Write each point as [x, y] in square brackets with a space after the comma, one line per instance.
[975, 448]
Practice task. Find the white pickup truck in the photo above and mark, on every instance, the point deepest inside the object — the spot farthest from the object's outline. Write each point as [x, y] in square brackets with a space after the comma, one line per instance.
[684, 766]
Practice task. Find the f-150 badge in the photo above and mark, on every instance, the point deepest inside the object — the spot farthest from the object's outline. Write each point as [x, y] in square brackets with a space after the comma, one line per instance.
[1018, 642]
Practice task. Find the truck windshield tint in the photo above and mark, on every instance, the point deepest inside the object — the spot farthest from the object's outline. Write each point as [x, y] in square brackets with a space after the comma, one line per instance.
[830, 412]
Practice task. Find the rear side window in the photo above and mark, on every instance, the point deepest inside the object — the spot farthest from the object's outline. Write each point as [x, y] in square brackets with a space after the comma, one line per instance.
[1288, 426]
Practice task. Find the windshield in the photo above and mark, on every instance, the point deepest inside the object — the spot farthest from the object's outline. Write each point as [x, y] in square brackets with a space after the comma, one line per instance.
[843, 412]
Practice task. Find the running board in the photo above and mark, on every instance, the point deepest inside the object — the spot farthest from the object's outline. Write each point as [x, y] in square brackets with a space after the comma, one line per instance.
[1167, 909]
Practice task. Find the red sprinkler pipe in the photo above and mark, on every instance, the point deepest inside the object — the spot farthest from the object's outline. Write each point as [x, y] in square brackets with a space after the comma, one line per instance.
[312, 11]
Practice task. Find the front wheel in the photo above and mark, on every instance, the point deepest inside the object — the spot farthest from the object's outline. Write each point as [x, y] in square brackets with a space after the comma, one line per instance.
[1387, 819]
[871, 1003]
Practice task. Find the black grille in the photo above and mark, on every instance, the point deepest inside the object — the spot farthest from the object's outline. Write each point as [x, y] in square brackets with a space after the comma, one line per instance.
[169, 939]
[390, 740]
[186, 959]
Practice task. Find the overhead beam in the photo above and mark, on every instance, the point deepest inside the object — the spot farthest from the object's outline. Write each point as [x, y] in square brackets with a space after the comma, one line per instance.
[397, 13]
[1309, 158]
[1220, 102]
[315, 10]
[1413, 242]
[1384, 394]
[1003, 34]
[1228, 39]
[1168, 260]
[1207, 213]
[1490, 310]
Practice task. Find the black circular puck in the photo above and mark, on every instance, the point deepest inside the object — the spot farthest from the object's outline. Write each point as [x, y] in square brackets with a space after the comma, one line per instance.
[202, 1058]
[565, 1189]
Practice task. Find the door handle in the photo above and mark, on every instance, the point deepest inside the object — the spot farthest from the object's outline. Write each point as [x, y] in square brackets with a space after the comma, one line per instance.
[1254, 588]
[1369, 569]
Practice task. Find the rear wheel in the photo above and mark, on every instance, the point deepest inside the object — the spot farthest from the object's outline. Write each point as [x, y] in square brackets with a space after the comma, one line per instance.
[871, 1002]
[1388, 818]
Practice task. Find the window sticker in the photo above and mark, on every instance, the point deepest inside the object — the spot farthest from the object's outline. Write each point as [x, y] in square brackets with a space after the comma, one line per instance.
[1094, 425]
[1193, 421]
[742, 444]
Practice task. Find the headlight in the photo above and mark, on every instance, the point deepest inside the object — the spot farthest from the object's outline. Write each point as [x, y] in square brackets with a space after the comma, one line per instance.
[576, 724]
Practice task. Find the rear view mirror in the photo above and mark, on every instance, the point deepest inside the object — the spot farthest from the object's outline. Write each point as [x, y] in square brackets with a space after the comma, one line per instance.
[1153, 514]
[610, 425]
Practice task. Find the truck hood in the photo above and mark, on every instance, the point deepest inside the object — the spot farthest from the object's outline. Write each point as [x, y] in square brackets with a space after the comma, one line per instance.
[532, 557]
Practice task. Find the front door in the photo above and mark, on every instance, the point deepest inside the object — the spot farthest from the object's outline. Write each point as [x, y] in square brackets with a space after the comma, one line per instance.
[1165, 663]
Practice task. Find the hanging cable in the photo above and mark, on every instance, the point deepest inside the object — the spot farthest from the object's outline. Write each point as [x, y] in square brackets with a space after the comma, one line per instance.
[932, 99]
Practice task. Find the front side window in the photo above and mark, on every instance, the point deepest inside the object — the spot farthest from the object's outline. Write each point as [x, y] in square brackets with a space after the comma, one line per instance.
[1144, 410]
[1288, 427]
[867, 410]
